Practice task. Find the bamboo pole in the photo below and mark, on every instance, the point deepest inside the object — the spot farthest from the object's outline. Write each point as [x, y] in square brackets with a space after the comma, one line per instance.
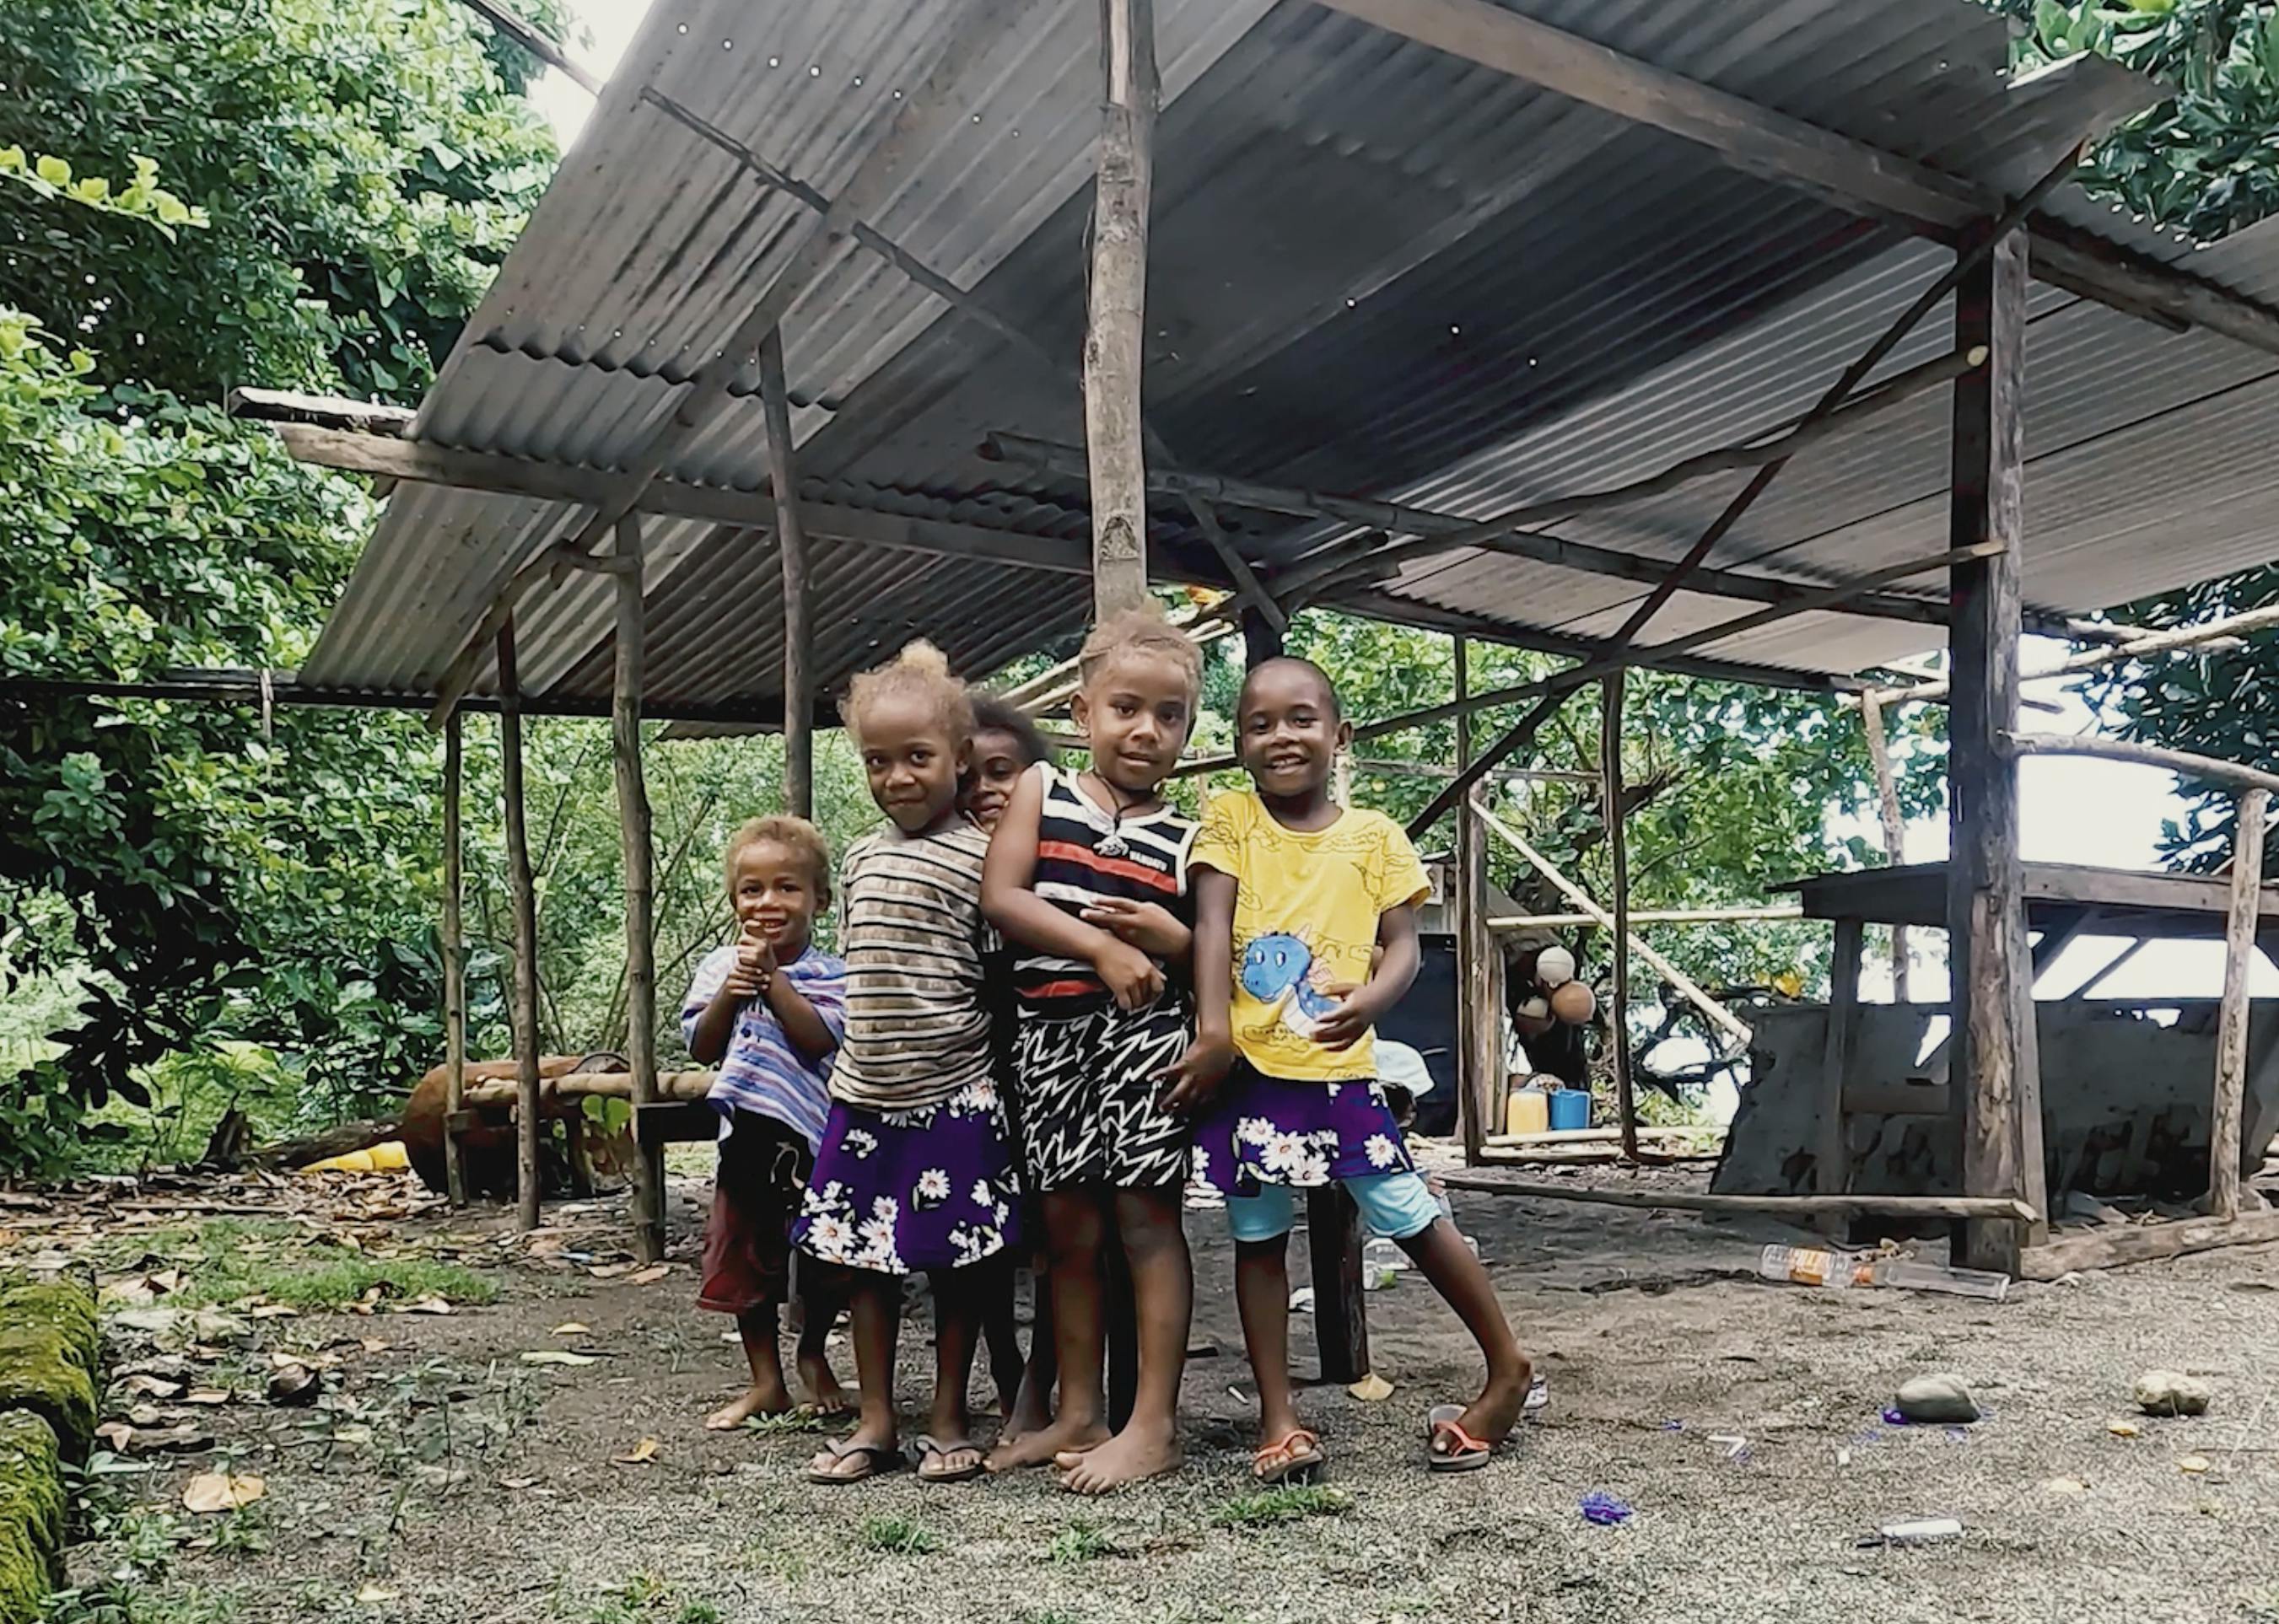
[528, 1188]
[1478, 1026]
[1718, 1015]
[1651, 915]
[1895, 827]
[671, 1085]
[640, 887]
[2184, 761]
[2139, 646]
[1618, 850]
[1802, 1206]
[2231, 1031]
[454, 971]
[791, 546]
[1116, 305]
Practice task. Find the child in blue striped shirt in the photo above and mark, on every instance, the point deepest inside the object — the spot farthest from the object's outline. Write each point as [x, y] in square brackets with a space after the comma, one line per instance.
[768, 1012]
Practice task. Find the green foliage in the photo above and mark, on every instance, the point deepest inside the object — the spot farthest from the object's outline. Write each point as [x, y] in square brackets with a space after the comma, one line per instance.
[1285, 1503]
[2205, 160]
[225, 1261]
[143, 198]
[362, 164]
[898, 1537]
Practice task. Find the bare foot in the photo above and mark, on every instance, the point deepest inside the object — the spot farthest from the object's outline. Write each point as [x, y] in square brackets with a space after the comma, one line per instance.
[850, 1460]
[758, 1399]
[1131, 1455]
[1031, 1412]
[1490, 1416]
[819, 1384]
[1034, 1449]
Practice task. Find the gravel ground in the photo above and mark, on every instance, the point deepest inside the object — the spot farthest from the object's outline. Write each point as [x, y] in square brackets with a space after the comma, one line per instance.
[486, 1488]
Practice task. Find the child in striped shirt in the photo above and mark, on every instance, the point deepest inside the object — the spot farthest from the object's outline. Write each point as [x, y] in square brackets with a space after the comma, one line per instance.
[768, 1012]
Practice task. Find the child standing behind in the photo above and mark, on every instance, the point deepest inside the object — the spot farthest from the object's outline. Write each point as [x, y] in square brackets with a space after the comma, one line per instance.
[1292, 894]
[767, 1012]
[1088, 871]
[915, 1167]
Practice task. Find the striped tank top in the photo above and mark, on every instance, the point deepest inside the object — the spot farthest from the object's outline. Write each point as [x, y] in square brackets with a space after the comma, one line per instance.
[1084, 853]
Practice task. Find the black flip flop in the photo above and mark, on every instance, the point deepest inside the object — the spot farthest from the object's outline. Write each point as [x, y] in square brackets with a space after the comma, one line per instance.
[874, 1459]
[925, 1446]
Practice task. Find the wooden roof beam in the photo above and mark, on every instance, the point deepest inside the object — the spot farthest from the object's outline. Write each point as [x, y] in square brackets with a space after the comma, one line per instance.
[1849, 173]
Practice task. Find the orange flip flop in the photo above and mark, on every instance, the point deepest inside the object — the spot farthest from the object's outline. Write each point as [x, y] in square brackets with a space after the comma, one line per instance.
[1296, 1455]
[1464, 1453]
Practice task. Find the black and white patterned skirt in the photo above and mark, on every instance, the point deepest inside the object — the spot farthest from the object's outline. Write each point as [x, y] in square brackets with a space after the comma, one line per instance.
[1087, 1086]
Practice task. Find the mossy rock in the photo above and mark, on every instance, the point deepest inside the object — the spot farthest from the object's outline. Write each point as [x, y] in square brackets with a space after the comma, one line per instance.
[63, 1304]
[41, 1371]
[31, 1516]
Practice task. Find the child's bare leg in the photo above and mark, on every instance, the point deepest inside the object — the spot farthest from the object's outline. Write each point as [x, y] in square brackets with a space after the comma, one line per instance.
[1262, 1292]
[1032, 1408]
[875, 1302]
[958, 1296]
[1075, 1226]
[1163, 1295]
[818, 1381]
[767, 1395]
[1442, 1257]
[1001, 1333]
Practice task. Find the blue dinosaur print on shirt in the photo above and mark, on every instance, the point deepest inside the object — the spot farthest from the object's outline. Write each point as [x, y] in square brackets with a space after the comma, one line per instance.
[1278, 968]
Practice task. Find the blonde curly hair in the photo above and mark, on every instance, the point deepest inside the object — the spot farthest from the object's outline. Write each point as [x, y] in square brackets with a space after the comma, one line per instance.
[920, 670]
[795, 835]
[1140, 630]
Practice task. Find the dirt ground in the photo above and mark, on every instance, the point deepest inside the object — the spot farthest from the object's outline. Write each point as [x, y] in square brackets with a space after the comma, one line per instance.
[443, 1476]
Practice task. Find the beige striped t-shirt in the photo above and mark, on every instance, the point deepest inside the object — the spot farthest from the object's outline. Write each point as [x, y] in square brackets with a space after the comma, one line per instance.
[917, 1027]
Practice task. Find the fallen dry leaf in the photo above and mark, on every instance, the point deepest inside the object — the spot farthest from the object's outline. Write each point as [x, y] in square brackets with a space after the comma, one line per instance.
[150, 1387]
[372, 1345]
[374, 1593]
[272, 1311]
[555, 1356]
[427, 1305]
[2065, 1485]
[1371, 1389]
[207, 1396]
[2193, 1465]
[517, 1484]
[220, 1491]
[610, 1271]
[2124, 1429]
[650, 1275]
[639, 1454]
[572, 1328]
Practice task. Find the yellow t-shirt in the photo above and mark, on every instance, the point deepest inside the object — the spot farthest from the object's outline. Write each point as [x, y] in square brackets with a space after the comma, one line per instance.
[1306, 911]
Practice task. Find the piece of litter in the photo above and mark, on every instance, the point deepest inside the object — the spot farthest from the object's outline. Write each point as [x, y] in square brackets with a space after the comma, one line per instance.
[517, 1484]
[1843, 1457]
[1958, 1434]
[639, 1454]
[1732, 1442]
[1677, 1425]
[373, 1594]
[2193, 1465]
[572, 1328]
[650, 1275]
[1236, 1394]
[1539, 1397]
[1302, 1300]
[2065, 1485]
[1930, 1530]
[1892, 1418]
[2124, 1429]
[557, 1356]
[1371, 1389]
[1605, 1510]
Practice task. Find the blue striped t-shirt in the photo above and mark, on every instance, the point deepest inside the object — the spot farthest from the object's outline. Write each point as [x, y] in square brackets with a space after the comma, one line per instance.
[763, 1070]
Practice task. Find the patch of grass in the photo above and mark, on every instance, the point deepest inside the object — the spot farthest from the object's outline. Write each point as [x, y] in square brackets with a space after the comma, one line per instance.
[1046, 1615]
[225, 1259]
[135, 1605]
[1079, 1541]
[900, 1536]
[789, 1423]
[1289, 1503]
[697, 1612]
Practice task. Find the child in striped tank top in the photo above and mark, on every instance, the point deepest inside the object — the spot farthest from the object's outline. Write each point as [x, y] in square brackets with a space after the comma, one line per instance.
[1088, 875]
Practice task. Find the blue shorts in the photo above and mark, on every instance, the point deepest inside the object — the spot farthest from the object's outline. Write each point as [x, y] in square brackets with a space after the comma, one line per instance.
[1396, 1206]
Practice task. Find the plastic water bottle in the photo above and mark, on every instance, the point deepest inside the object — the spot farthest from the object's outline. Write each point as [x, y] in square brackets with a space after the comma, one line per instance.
[1381, 1263]
[1912, 1277]
[1811, 1266]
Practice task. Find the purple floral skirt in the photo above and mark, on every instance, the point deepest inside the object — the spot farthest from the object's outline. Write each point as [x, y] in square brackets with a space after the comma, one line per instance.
[899, 1191]
[1274, 1130]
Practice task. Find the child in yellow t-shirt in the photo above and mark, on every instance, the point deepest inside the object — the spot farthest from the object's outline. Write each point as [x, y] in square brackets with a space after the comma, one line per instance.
[1292, 893]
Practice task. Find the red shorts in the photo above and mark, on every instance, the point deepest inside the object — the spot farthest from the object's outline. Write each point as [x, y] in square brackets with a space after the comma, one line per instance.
[755, 1195]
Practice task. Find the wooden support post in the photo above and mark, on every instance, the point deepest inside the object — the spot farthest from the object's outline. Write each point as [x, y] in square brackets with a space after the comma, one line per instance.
[1610, 811]
[524, 899]
[454, 970]
[1832, 1160]
[1895, 825]
[1479, 1004]
[791, 546]
[640, 888]
[1995, 1062]
[1115, 307]
[1340, 1319]
[2231, 1031]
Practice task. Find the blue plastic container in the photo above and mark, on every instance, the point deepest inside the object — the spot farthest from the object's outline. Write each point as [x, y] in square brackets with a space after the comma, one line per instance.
[1570, 1107]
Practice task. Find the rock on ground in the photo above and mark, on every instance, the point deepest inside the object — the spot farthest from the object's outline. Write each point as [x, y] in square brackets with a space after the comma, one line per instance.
[1929, 1399]
[2171, 1392]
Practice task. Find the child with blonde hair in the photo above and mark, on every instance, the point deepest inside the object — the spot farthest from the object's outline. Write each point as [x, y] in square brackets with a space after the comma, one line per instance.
[1088, 873]
[767, 1011]
[915, 1172]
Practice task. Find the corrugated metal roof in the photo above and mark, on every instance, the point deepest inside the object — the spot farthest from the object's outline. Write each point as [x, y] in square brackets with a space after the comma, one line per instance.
[1376, 268]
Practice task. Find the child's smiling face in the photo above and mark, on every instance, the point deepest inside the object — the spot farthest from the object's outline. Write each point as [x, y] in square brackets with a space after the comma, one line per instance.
[1288, 730]
[999, 761]
[777, 894]
[911, 759]
[1136, 709]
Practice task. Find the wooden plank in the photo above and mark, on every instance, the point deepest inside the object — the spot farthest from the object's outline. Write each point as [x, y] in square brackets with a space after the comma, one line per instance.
[1994, 1057]
[2130, 899]
[2224, 1185]
[1479, 1007]
[454, 946]
[1618, 848]
[1116, 327]
[661, 1123]
[2234, 775]
[1340, 1318]
[636, 848]
[523, 901]
[2114, 1244]
[1894, 825]
[1694, 1202]
[1849, 173]
[1831, 1151]
[1650, 915]
[791, 546]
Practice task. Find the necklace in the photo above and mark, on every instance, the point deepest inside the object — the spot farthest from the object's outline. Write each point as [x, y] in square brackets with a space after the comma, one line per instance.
[1111, 844]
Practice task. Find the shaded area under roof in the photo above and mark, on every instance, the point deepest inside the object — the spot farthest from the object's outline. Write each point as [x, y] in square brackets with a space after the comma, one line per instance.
[1376, 269]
